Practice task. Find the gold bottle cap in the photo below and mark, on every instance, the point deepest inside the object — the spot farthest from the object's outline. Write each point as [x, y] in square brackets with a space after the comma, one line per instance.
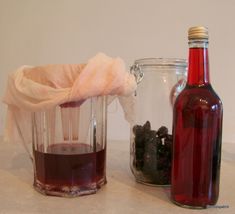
[198, 32]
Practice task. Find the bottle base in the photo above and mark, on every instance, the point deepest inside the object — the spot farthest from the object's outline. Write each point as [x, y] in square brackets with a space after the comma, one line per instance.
[188, 206]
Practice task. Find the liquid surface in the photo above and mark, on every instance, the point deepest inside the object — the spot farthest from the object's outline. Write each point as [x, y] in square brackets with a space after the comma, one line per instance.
[70, 165]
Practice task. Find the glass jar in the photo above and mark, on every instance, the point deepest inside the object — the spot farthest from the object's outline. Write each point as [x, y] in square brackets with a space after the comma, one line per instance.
[159, 82]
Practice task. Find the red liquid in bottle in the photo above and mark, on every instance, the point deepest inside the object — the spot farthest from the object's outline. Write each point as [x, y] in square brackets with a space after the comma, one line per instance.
[69, 165]
[197, 130]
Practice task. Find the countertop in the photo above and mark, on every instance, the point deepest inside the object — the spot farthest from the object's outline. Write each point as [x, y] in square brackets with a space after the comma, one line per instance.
[120, 195]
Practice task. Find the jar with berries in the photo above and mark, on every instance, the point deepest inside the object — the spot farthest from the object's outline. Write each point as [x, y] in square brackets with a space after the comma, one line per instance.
[159, 80]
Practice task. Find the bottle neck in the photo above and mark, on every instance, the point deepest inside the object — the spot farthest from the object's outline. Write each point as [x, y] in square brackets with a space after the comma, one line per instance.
[198, 68]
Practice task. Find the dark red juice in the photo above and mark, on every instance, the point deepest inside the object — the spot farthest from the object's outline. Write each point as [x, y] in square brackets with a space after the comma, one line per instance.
[197, 142]
[197, 130]
[70, 164]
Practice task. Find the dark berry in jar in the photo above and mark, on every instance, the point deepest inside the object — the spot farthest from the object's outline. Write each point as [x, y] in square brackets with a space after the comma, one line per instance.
[138, 130]
[152, 153]
[162, 131]
[147, 126]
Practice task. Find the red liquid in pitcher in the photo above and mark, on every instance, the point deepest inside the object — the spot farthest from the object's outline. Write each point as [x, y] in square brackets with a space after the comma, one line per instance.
[70, 164]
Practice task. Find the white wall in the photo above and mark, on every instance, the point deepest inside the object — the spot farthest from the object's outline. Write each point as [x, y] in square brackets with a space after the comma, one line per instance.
[71, 31]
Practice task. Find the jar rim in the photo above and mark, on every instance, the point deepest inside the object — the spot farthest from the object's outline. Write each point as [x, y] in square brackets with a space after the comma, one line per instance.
[162, 62]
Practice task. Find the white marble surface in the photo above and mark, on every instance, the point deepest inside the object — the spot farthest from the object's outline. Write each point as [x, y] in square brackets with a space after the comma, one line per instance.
[121, 194]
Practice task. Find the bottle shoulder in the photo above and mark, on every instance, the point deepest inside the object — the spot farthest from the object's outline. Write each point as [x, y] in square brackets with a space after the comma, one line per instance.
[199, 96]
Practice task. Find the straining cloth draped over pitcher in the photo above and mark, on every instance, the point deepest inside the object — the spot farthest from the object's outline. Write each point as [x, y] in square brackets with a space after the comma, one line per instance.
[32, 89]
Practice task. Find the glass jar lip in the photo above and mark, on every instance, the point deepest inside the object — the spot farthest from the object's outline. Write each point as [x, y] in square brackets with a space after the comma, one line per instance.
[162, 62]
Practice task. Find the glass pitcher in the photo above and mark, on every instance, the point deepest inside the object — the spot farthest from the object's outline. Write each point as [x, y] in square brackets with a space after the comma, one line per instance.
[159, 82]
[69, 148]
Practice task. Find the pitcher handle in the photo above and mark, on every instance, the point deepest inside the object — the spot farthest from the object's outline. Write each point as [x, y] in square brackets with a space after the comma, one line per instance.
[22, 138]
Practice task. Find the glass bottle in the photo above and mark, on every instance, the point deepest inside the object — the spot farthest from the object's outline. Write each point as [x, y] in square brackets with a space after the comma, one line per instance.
[159, 82]
[197, 131]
